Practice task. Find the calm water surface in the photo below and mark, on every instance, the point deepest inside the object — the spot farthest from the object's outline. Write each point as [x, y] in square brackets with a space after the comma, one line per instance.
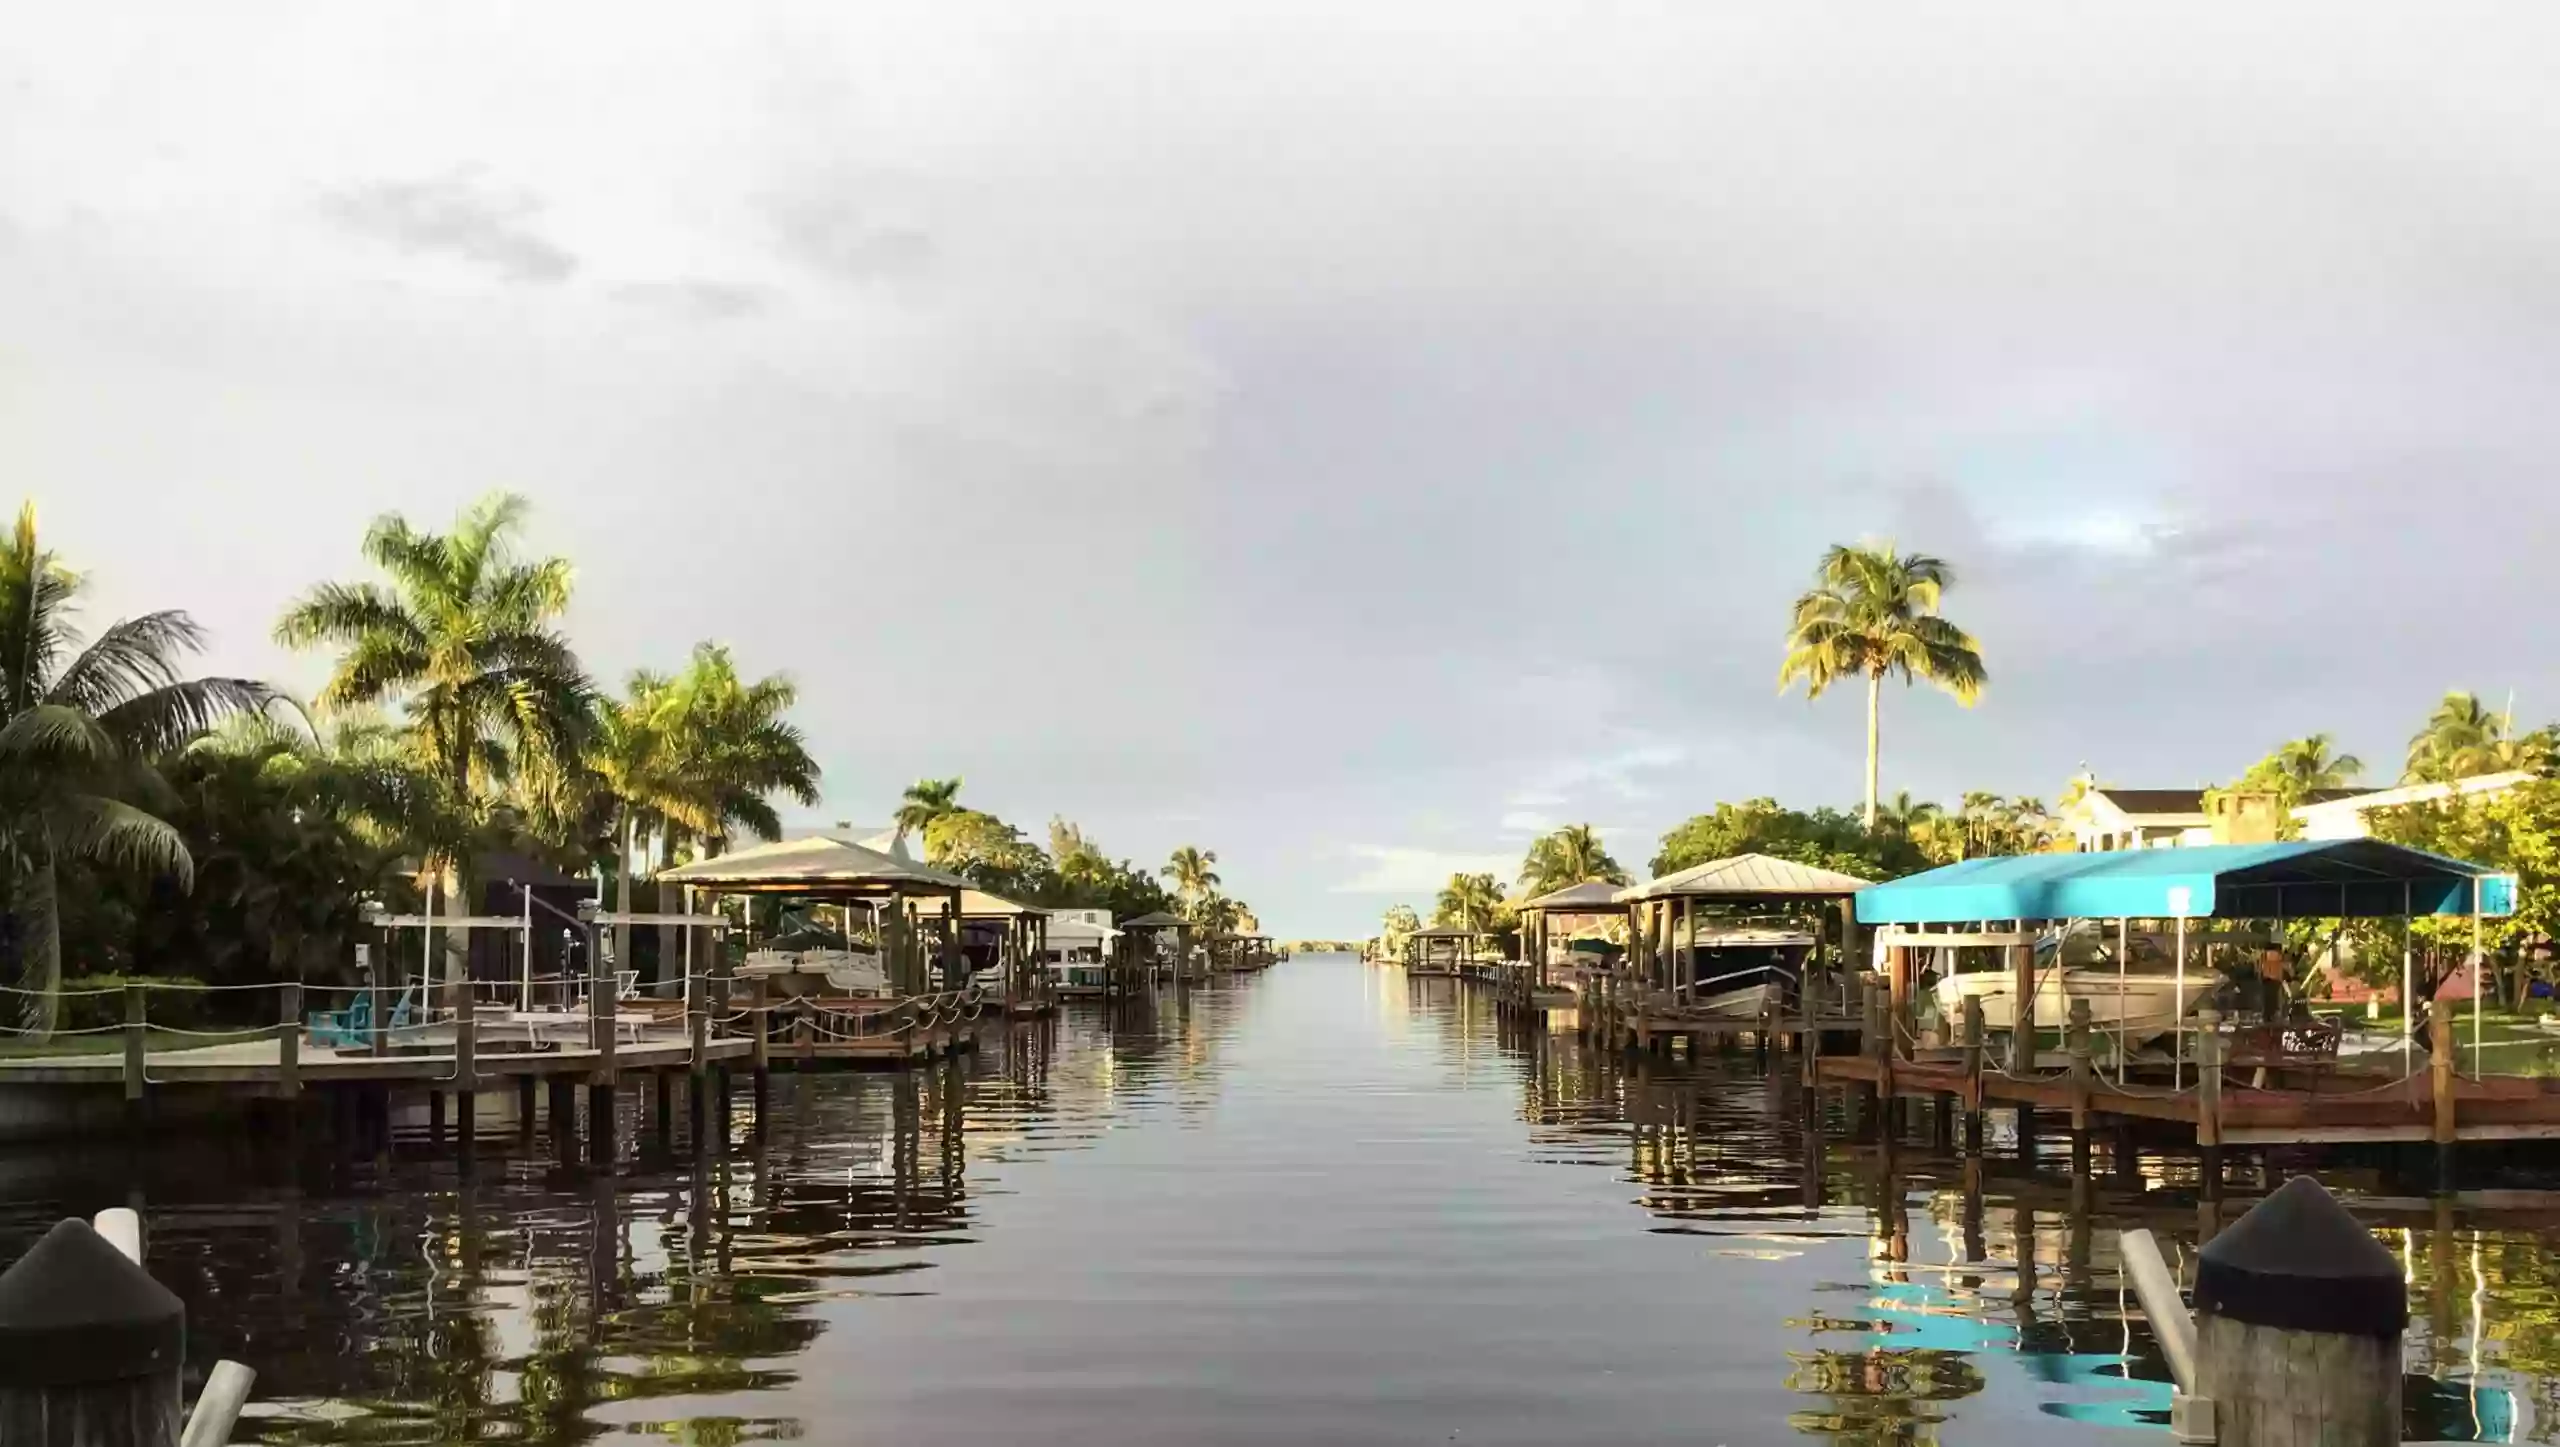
[1324, 1204]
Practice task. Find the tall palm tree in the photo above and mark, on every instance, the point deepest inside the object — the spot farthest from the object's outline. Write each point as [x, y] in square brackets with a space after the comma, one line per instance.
[1873, 614]
[1468, 902]
[1571, 855]
[82, 725]
[463, 639]
[925, 801]
[1193, 877]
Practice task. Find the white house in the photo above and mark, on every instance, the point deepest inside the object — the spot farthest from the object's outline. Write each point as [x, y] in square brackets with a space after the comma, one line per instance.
[1080, 935]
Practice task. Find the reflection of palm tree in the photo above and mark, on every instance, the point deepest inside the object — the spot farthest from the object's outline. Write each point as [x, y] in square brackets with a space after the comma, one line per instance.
[80, 732]
[1873, 614]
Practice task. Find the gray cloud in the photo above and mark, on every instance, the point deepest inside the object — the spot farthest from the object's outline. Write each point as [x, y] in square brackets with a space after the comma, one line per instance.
[459, 215]
[693, 298]
[859, 228]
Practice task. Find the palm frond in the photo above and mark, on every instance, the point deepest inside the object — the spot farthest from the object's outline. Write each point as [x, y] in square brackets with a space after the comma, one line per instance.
[53, 736]
[133, 656]
[171, 716]
[116, 834]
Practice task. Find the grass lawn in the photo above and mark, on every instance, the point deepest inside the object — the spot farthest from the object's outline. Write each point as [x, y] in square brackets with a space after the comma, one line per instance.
[112, 1043]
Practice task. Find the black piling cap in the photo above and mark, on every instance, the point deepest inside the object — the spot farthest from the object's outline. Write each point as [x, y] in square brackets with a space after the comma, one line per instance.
[74, 1311]
[2299, 1262]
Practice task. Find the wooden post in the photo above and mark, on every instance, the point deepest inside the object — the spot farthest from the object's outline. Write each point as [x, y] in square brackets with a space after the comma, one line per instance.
[1973, 1075]
[289, 1041]
[2299, 1319]
[90, 1347]
[136, 1048]
[526, 1105]
[2440, 1081]
[466, 1080]
[2209, 1099]
[2022, 1029]
[2081, 1074]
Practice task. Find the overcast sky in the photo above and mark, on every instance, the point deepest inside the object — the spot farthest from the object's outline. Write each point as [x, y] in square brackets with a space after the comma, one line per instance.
[1346, 436]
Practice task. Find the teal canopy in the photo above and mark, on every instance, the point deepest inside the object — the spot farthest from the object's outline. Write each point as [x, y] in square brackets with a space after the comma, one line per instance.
[2291, 879]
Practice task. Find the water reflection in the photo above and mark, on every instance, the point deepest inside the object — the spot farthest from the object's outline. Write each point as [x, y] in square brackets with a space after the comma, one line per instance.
[1328, 1203]
[1996, 1277]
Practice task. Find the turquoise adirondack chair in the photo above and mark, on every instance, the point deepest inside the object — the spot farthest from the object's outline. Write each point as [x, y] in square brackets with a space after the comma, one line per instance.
[352, 1027]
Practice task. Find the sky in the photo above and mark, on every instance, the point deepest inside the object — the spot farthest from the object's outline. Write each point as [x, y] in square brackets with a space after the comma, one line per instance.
[1348, 437]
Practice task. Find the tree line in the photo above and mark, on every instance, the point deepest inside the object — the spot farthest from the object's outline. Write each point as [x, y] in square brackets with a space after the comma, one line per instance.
[214, 829]
[1071, 872]
[1873, 614]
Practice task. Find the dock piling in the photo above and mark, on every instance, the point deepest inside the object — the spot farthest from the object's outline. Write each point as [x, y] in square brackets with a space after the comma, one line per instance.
[289, 1041]
[1973, 1075]
[2299, 1320]
[90, 1347]
[136, 1050]
[2208, 1038]
[2077, 1031]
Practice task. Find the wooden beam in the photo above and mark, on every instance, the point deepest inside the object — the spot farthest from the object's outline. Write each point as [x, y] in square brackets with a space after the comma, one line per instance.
[1914, 939]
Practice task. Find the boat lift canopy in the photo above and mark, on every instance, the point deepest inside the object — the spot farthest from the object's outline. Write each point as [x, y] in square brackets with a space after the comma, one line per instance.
[2287, 879]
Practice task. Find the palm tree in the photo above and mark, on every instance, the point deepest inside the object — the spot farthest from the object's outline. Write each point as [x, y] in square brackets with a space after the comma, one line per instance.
[1873, 613]
[2464, 737]
[1193, 879]
[1901, 814]
[82, 727]
[1571, 855]
[734, 751]
[462, 638]
[2312, 762]
[925, 801]
[1468, 902]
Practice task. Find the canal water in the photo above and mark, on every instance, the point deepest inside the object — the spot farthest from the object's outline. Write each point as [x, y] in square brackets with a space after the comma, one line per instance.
[1323, 1204]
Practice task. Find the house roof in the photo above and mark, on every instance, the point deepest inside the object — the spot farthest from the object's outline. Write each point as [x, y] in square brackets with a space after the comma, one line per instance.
[2154, 802]
[1595, 895]
[1157, 920]
[2296, 879]
[2188, 804]
[812, 866]
[978, 904]
[1746, 876]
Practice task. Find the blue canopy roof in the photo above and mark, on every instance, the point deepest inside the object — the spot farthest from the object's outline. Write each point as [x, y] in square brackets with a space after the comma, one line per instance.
[2292, 879]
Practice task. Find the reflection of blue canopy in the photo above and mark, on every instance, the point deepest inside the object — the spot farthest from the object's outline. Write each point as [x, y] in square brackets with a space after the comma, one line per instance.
[2294, 879]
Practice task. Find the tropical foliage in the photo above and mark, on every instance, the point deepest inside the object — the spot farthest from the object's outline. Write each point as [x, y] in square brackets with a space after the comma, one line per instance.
[85, 722]
[1873, 614]
[2464, 738]
[1469, 902]
[1569, 856]
[1824, 838]
[926, 800]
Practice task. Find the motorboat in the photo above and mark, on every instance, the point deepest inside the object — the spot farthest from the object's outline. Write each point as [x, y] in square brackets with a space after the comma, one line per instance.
[1740, 969]
[2140, 1000]
[809, 972]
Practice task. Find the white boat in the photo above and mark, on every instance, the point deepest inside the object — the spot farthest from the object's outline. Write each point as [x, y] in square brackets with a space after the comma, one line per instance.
[2142, 999]
[845, 972]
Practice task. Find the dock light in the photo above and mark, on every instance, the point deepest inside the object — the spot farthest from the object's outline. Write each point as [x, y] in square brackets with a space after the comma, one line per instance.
[586, 911]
